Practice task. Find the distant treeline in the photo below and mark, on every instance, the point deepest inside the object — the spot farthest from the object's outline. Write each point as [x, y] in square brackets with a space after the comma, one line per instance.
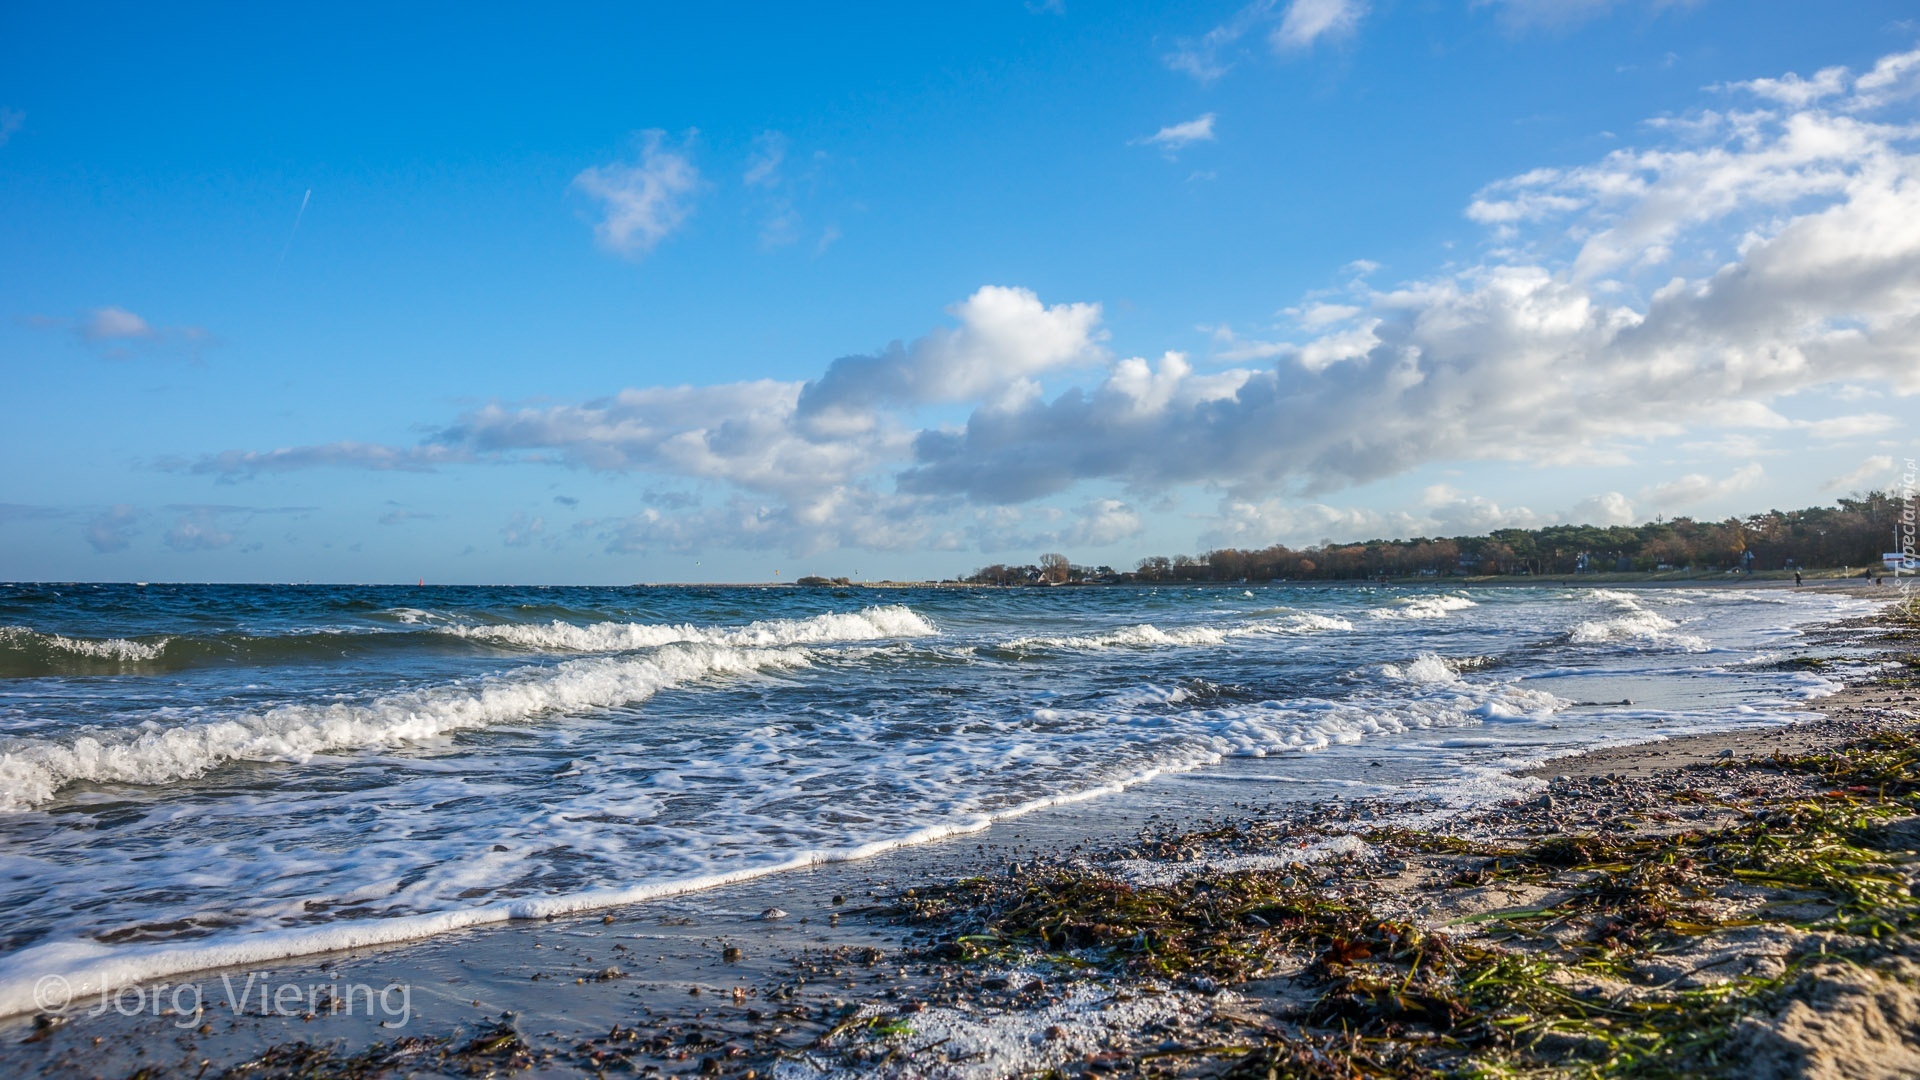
[1855, 533]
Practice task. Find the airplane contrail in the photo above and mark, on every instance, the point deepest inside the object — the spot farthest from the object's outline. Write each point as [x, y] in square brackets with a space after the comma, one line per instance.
[294, 231]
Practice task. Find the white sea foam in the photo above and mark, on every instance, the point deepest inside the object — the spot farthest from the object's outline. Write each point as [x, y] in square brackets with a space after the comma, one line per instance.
[1262, 729]
[32, 770]
[121, 649]
[1424, 607]
[90, 968]
[1428, 668]
[1072, 1025]
[1156, 872]
[1614, 596]
[1138, 636]
[1634, 624]
[889, 621]
[1149, 636]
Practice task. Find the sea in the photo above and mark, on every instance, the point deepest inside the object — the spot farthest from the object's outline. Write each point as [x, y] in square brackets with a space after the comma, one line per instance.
[194, 776]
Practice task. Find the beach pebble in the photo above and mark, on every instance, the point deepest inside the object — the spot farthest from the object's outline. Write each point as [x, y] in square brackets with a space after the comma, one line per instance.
[732, 954]
[773, 913]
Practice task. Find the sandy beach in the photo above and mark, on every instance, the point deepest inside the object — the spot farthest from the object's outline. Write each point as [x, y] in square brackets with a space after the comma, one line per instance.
[1678, 905]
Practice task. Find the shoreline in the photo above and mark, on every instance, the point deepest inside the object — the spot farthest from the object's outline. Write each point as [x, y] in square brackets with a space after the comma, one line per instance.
[1849, 579]
[1845, 579]
[518, 994]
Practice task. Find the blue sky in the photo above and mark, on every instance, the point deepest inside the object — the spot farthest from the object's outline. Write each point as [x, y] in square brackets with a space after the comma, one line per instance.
[624, 294]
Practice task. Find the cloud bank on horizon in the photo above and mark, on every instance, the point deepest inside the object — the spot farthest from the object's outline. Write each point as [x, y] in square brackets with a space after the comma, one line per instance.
[1763, 245]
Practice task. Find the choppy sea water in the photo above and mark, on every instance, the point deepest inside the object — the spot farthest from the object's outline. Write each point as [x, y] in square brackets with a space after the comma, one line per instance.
[193, 776]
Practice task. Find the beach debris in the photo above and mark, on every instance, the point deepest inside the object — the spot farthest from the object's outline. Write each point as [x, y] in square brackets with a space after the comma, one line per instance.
[1780, 910]
[44, 1024]
[495, 1050]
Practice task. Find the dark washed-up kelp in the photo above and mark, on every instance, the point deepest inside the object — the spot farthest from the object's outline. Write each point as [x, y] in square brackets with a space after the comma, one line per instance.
[1557, 988]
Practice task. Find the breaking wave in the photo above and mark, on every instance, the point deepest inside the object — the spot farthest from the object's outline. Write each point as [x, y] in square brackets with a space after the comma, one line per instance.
[893, 620]
[24, 648]
[28, 653]
[1149, 636]
[1632, 624]
[33, 770]
[1424, 607]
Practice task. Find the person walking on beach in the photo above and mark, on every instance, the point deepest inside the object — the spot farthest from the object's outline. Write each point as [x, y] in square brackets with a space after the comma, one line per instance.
[1796, 577]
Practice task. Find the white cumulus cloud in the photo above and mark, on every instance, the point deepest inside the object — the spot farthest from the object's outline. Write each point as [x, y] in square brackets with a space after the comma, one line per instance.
[1685, 290]
[1607, 508]
[1874, 474]
[642, 202]
[1698, 489]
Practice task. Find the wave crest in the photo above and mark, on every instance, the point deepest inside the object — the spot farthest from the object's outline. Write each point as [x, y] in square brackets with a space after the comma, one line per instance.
[25, 648]
[1149, 636]
[1424, 607]
[1634, 625]
[33, 770]
[893, 620]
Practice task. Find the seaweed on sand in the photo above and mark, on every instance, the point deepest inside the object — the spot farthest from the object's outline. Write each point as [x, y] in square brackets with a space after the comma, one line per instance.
[1230, 927]
[489, 1052]
[1562, 987]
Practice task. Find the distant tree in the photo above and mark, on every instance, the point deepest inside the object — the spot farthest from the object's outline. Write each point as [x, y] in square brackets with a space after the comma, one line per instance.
[1154, 568]
[1055, 569]
[1851, 534]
